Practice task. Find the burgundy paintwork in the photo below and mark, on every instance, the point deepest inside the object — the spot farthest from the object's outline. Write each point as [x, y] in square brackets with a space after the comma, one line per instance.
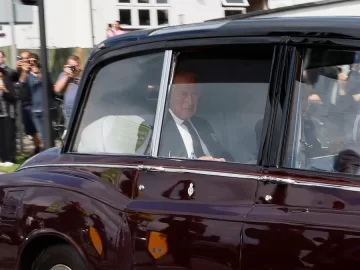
[64, 202]
[235, 219]
[302, 227]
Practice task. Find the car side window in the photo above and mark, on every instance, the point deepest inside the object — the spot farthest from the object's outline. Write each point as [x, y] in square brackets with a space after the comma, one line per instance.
[120, 110]
[216, 103]
[324, 128]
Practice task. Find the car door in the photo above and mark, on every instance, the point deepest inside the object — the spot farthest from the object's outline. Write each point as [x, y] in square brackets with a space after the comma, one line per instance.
[188, 211]
[307, 208]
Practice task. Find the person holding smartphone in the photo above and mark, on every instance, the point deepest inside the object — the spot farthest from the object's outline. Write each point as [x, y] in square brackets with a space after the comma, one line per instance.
[68, 83]
[7, 119]
[114, 30]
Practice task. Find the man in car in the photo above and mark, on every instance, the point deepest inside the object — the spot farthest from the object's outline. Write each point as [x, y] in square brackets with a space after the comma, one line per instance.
[185, 135]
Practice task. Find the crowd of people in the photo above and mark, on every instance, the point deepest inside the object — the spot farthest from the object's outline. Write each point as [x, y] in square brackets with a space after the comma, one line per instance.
[24, 85]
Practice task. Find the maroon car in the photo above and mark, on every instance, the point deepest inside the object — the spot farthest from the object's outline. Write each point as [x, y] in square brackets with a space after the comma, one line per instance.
[230, 144]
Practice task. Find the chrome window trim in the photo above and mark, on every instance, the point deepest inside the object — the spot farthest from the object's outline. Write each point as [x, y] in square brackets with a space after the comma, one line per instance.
[145, 168]
[298, 118]
[111, 166]
[275, 180]
[160, 109]
[289, 181]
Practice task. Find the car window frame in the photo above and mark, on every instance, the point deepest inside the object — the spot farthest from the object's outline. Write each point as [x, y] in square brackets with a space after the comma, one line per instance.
[279, 160]
[102, 57]
[275, 72]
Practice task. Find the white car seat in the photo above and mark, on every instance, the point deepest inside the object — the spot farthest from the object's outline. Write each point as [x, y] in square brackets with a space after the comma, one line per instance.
[116, 134]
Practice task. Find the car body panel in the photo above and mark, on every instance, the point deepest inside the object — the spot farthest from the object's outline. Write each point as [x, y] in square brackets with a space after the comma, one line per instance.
[199, 213]
[311, 224]
[65, 203]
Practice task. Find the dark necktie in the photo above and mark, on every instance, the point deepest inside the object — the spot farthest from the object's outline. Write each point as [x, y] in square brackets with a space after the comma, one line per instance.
[198, 151]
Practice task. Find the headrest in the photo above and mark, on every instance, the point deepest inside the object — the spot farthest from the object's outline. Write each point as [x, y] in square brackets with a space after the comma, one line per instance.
[116, 134]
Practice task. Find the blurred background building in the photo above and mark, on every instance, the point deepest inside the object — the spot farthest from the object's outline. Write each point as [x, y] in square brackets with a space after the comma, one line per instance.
[75, 26]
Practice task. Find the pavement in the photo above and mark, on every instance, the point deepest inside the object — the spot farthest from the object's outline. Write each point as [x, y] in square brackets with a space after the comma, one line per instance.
[28, 146]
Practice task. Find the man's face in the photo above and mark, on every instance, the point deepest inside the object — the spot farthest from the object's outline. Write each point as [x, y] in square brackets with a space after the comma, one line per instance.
[25, 56]
[72, 62]
[184, 97]
[116, 25]
[2, 59]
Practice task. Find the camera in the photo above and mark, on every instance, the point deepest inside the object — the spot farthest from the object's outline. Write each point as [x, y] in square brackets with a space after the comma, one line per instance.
[73, 68]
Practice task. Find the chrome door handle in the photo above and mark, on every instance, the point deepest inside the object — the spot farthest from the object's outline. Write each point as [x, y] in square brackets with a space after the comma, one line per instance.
[150, 168]
[268, 198]
[294, 211]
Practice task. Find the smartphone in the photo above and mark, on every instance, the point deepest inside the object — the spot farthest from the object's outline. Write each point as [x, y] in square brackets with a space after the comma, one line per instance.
[110, 25]
[19, 57]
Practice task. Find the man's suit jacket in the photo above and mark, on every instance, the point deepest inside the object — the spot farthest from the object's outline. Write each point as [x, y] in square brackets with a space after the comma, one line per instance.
[172, 144]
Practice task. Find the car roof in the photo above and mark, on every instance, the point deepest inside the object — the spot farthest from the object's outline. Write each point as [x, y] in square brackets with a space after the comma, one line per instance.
[326, 27]
[279, 10]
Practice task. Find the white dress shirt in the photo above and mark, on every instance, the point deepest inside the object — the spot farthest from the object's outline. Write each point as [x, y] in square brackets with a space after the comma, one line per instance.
[186, 137]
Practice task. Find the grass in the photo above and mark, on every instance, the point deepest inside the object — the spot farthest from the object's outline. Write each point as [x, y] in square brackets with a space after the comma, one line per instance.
[20, 158]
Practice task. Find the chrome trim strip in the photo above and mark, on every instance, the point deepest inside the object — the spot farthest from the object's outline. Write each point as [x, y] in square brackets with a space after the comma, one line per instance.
[164, 83]
[306, 183]
[275, 180]
[112, 166]
[200, 172]
[147, 168]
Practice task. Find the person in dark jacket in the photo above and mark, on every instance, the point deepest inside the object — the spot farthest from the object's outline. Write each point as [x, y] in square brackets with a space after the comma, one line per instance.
[31, 88]
[7, 119]
[9, 71]
[23, 68]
